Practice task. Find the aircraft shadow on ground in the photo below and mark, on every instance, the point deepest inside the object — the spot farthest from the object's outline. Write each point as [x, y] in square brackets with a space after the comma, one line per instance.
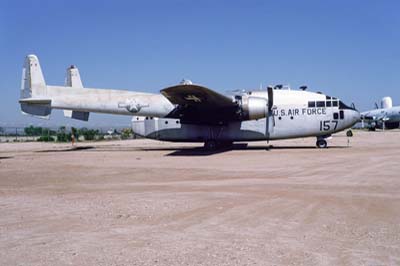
[191, 151]
[200, 151]
[78, 148]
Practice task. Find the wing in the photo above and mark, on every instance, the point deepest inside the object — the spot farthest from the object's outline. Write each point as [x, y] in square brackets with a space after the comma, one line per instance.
[199, 105]
[196, 95]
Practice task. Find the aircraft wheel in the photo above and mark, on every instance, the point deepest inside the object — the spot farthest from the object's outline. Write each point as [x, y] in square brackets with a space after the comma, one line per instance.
[225, 144]
[210, 145]
[322, 144]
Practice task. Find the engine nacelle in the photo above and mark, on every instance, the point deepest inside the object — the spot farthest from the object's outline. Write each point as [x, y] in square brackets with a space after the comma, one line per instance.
[254, 107]
[386, 102]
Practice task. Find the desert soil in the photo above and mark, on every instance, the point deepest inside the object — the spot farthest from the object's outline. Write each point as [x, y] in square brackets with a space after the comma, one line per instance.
[143, 202]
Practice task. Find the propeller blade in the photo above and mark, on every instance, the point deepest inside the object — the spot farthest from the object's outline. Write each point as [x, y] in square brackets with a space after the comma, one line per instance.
[270, 99]
[269, 111]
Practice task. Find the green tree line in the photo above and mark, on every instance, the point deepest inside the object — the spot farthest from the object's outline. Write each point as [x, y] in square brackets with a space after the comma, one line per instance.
[62, 134]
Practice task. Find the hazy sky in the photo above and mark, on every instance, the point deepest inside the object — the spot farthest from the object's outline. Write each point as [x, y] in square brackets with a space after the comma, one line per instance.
[349, 49]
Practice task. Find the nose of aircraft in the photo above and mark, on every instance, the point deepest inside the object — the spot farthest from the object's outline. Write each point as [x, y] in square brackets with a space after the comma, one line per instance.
[354, 116]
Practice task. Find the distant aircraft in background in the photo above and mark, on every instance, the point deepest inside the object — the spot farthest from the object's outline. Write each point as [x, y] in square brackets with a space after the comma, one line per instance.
[193, 113]
[385, 117]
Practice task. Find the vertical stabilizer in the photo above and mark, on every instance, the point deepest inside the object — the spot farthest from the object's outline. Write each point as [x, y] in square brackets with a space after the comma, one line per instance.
[33, 84]
[73, 79]
[33, 90]
[386, 103]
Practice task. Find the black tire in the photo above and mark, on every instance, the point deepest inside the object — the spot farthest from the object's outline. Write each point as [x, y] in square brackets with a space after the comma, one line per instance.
[225, 144]
[322, 144]
[349, 133]
[210, 145]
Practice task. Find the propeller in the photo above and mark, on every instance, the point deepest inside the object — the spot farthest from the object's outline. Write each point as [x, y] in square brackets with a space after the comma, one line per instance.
[270, 114]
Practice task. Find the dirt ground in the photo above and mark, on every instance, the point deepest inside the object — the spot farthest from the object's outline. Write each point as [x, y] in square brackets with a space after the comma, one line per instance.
[143, 202]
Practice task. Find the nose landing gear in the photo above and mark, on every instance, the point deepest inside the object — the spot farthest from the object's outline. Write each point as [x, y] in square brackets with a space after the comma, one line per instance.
[322, 144]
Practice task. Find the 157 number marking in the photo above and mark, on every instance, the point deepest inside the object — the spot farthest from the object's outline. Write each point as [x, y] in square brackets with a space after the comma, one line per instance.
[327, 125]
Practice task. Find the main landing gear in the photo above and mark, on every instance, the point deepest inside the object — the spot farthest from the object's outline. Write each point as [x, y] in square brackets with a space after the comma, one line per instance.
[210, 145]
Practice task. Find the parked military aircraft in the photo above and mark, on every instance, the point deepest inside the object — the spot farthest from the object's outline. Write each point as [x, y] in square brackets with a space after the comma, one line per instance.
[385, 117]
[193, 113]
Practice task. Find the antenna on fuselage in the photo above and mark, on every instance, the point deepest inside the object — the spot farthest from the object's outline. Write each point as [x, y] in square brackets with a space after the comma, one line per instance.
[185, 82]
[303, 88]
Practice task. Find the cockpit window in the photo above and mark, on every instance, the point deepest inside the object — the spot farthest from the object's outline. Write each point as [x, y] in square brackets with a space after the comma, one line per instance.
[343, 106]
[320, 104]
[335, 104]
[311, 104]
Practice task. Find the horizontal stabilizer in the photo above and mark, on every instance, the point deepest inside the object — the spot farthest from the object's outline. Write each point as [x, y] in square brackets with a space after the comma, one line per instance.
[83, 116]
[38, 109]
[35, 101]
